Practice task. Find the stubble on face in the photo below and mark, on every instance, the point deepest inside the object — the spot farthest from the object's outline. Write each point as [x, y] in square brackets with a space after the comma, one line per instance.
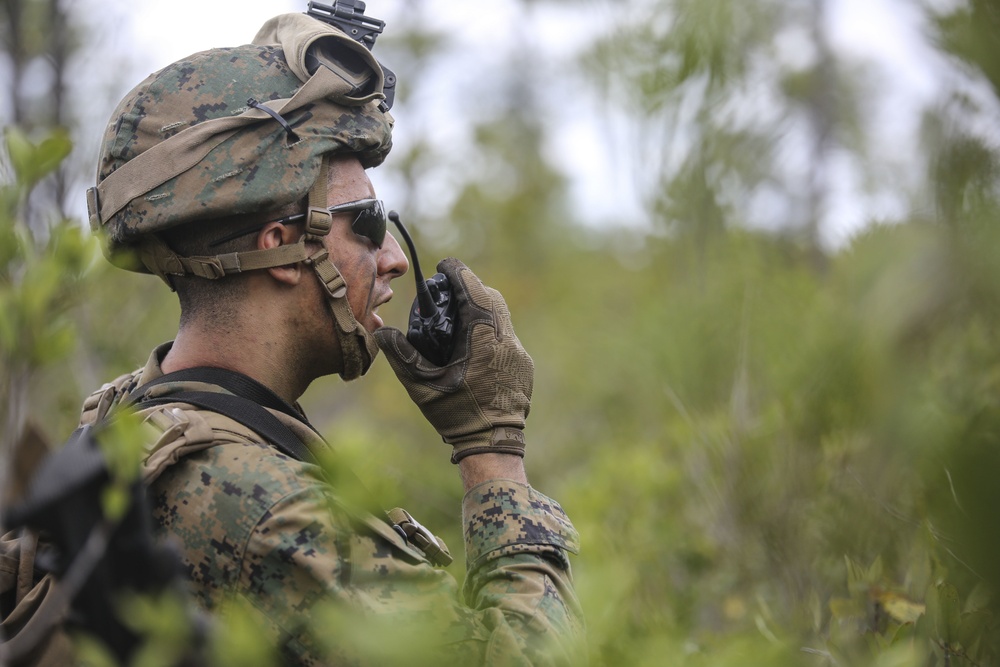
[355, 257]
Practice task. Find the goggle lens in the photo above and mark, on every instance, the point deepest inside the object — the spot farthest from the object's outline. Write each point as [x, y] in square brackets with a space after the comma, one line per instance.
[370, 221]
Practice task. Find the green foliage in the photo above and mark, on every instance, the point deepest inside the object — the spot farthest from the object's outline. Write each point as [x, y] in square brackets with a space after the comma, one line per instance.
[92, 652]
[163, 621]
[237, 640]
[36, 280]
[31, 163]
[969, 32]
[732, 425]
[40, 275]
[775, 455]
[118, 444]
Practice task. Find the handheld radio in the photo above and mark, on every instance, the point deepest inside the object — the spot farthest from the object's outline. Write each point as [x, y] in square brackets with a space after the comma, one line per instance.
[432, 316]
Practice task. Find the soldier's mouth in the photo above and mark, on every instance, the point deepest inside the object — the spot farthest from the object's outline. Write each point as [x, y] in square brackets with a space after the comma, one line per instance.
[375, 315]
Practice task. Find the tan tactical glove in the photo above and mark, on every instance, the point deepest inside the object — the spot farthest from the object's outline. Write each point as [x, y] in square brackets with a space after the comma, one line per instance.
[477, 401]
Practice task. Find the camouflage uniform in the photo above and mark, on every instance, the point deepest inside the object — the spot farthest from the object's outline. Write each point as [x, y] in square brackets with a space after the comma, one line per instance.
[271, 531]
[328, 578]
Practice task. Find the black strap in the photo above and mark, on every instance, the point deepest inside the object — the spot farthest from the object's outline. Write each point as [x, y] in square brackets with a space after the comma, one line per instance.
[246, 405]
[233, 382]
[244, 411]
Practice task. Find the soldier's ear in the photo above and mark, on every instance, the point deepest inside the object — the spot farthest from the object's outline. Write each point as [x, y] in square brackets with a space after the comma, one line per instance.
[274, 235]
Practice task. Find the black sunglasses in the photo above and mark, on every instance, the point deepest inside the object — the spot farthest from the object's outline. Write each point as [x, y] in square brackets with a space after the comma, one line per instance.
[370, 221]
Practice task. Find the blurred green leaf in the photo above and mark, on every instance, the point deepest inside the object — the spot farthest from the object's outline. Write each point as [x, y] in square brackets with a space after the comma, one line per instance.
[163, 623]
[32, 162]
[93, 652]
[239, 640]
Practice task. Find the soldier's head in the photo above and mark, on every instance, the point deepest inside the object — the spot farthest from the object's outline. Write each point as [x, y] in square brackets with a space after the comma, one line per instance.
[227, 162]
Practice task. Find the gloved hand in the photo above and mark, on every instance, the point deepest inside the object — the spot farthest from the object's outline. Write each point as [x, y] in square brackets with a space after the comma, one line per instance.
[478, 400]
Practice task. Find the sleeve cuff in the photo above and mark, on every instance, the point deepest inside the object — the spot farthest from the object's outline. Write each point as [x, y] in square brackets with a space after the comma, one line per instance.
[502, 517]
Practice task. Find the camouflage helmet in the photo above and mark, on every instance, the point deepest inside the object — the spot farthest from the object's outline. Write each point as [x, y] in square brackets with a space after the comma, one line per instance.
[243, 130]
[192, 141]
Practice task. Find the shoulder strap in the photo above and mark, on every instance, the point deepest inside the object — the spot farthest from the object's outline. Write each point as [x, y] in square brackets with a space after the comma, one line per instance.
[234, 383]
[246, 412]
[245, 405]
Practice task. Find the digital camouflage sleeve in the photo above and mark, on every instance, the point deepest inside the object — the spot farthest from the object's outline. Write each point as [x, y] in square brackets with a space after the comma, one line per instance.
[334, 584]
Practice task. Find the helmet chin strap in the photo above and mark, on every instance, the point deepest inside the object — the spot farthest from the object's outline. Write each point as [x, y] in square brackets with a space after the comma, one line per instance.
[358, 347]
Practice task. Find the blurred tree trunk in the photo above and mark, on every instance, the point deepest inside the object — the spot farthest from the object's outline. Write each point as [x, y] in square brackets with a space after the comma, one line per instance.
[821, 108]
[38, 42]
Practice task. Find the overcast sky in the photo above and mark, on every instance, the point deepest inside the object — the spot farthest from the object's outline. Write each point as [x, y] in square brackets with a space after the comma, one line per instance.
[150, 34]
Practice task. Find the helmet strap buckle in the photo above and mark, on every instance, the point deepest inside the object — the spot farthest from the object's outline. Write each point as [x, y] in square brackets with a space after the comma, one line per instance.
[319, 221]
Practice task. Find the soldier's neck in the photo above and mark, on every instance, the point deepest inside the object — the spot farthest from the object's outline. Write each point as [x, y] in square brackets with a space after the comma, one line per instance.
[251, 353]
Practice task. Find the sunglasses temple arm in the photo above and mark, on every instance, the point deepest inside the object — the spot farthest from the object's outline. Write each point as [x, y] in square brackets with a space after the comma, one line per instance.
[424, 298]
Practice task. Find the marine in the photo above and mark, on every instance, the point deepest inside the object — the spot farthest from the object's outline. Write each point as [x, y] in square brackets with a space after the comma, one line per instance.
[238, 177]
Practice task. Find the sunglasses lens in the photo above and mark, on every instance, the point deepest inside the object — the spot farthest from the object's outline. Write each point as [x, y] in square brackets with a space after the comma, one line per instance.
[370, 223]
